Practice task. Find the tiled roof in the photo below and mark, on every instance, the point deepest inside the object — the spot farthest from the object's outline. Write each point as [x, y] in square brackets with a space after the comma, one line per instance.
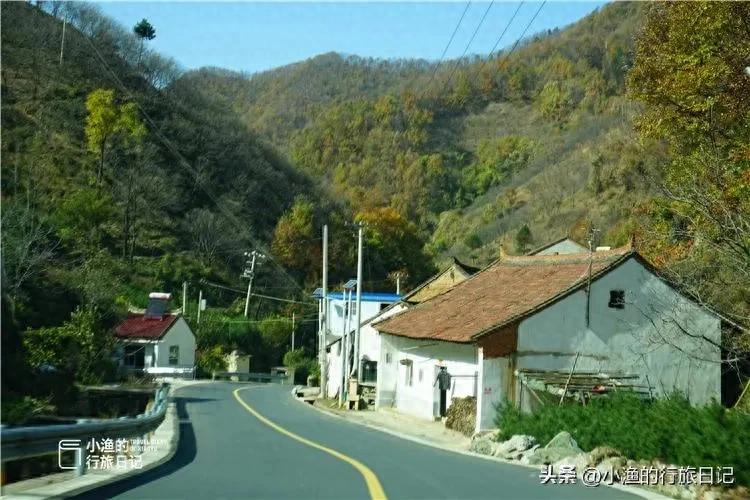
[140, 326]
[506, 291]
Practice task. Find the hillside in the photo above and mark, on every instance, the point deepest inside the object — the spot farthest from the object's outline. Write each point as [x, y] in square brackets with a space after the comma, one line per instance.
[176, 198]
[541, 137]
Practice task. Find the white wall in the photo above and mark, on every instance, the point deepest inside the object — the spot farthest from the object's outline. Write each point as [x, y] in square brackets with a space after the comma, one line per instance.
[492, 390]
[180, 335]
[564, 247]
[642, 338]
[422, 398]
[369, 337]
[334, 369]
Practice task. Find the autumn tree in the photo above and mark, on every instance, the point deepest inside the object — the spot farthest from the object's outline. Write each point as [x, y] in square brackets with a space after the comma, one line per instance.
[392, 243]
[691, 73]
[295, 239]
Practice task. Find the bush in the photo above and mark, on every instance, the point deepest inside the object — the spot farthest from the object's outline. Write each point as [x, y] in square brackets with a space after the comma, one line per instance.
[211, 360]
[302, 365]
[668, 429]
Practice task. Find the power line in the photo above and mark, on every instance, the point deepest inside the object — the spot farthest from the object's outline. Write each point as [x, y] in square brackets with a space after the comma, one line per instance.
[243, 292]
[185, 164]
[466, 49]
[507, 55]
[445, 50]
[494, 47]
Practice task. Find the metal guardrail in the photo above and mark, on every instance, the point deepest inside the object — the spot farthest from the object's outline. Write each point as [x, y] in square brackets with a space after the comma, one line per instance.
[32, 441]
[251, 377]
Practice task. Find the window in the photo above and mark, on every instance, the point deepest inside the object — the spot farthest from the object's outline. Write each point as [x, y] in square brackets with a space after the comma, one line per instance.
[421, 374]
[174, 354]
[388, 358]
[409, 374]
[135, 356]
[383, 305]
[617, 299]
[369, 371]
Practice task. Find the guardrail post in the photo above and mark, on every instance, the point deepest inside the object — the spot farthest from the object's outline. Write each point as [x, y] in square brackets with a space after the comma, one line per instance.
[81, 460]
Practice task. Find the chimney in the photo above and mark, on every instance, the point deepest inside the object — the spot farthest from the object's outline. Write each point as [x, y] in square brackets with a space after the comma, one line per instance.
[158, 304]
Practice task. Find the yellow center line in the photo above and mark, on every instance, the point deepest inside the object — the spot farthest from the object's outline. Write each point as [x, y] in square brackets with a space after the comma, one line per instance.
[371, 480]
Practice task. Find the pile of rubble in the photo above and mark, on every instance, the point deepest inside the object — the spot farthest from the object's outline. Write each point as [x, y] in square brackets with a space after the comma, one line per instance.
[563, 450]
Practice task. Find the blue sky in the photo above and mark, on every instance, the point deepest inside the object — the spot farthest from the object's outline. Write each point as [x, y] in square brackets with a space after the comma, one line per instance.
[255, 36]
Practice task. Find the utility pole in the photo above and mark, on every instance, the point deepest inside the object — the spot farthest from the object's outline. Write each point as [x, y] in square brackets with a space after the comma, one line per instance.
[359, 299]
[249, 274]
[292, 331]
[62, 41]
[200, 305]
[592, 237]
[184, 298]
[324, 322]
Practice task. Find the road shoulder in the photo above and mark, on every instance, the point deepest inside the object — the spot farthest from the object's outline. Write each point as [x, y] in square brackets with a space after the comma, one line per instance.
[460, 446]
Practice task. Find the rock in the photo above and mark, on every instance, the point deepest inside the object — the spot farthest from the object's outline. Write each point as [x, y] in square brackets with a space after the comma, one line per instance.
[483, 446]
[550, 455]
[492, 435]
[526, 455]
[561, 446]
[610, 467]
[579, 462]
[563, 440]
[513, 448]
[601, 452]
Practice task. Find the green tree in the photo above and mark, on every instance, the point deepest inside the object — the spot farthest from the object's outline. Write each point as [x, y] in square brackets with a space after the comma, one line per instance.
[144, 31]
[106, 120]
[523, 239]
[81, 346]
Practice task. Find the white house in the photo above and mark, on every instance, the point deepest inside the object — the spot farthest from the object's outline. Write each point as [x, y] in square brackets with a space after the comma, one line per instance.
[608, 310]
[371, 343]
[156, 342]
[342, 316]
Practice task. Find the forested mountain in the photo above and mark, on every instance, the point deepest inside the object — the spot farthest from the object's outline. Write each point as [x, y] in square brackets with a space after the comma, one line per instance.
[122, 175]
[471, 150]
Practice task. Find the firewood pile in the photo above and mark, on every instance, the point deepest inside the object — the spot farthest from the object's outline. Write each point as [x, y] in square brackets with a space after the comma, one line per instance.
[461, 415]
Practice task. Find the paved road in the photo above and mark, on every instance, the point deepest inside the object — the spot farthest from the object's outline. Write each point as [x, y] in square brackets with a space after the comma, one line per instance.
[226, 451]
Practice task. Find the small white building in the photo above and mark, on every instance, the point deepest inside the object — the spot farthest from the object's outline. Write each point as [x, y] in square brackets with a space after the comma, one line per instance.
[342, 316]
[156, 342]
[610, 311]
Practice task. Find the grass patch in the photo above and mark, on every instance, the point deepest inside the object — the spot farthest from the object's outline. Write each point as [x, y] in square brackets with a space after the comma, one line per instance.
[669, 430]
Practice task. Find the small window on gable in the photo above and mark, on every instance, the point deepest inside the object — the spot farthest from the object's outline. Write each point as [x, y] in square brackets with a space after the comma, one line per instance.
[174, 354]
[617, 299]
[388, 358]
[421, 375]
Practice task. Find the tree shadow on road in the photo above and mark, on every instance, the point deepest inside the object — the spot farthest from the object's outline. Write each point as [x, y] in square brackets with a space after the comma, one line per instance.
[185, 454]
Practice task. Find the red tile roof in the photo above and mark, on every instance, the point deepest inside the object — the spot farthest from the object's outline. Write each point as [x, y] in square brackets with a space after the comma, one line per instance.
[140, 326]
[507, 290]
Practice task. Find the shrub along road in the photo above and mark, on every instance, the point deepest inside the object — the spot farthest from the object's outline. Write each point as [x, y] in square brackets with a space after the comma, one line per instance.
[255, 441]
